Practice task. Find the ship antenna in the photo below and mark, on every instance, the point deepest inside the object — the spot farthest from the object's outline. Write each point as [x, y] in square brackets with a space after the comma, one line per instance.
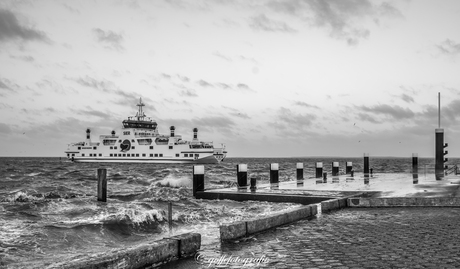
[140, 114]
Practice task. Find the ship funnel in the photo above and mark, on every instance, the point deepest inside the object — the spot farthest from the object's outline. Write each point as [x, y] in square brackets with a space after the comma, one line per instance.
[195, 133]
[172, 128]
[88, 133]
[113, 132]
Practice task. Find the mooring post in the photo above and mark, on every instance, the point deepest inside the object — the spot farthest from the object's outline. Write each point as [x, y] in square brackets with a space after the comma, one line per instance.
[335, 169]
[324, 177]
[198, 179]
[102, 184]
[274, 177]
[299, 174]
[348, 167]
[319, 169]
[242, 176]
[366, 168]
[253, 184]
[170, 217]
[415, 168]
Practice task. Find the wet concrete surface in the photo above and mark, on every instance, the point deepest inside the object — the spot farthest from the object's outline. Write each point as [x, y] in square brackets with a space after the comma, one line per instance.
[348, 238]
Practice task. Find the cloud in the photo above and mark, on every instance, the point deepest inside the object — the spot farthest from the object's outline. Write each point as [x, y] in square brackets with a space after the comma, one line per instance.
[188, 93]
[300, 103]
[449, 47]
[339, 17]
[236, 113]
[263, 23]
[91, 112]
[204, 83]
[109, 87]
[220, 55]
[11, 29]
[108, 37]
[367, 117]
[23, 58]
[407, 98]
[4, 128]
[218, 122]
[395, 112]
[289, 121]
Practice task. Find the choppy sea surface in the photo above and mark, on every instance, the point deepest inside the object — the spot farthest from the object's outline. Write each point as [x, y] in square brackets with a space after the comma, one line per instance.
[49, 210]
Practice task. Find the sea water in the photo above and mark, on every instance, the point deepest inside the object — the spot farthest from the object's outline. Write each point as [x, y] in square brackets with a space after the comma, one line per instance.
[49, 210]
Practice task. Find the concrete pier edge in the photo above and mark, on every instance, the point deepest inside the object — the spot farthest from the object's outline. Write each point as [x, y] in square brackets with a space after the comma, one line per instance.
[405, 202]
[154, 253]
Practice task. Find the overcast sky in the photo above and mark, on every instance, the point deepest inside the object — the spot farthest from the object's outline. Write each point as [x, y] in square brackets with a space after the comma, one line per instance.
[275, 78]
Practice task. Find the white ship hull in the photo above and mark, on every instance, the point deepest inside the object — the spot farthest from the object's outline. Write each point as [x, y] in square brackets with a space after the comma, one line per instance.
[140, 142]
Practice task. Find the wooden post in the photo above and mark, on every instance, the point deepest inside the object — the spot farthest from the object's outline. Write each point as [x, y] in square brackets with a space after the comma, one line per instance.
[253, 184]
[325, 177]
[242, 176]
[319, 169]
[299, 174]
[335, 169]
[415, 168]
[274, 176]
[198, 179]
[102, 184]
[348, 168]
[170, 217]
[366, 168]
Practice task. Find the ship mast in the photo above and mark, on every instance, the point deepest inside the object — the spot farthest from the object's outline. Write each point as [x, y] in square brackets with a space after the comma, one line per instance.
[140, 114]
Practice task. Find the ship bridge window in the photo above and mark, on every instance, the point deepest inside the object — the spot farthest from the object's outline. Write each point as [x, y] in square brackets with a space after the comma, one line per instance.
[124, 155]
[79, 148]
[151, 155]
[132, 140]
[100, 155]
[161, 154]
[170, 147]
[83, 154]
[73, 154]
[114, 147]
[133, 147]
[156, 155]
[137, 155]
[94, 147]
[129, 155]
[151, 147]
[143, 154]
[177, 154]
[111, 155]
[185, 155]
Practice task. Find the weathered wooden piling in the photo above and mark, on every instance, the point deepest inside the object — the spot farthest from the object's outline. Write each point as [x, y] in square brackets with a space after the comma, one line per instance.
[335, 169]
[198, 179]
[415, 168]
[366, 168]
[102, 184]
[242, 176]
[170, 217]
[325, 177]
[299, 171]
[348, 167]
[253, 184]
[319, 170]
[274, 175]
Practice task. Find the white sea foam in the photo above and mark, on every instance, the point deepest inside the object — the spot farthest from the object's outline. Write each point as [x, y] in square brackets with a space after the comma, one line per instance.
[176, 182]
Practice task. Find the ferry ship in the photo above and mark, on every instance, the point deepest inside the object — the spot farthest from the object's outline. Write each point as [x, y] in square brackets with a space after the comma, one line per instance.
[140, 142]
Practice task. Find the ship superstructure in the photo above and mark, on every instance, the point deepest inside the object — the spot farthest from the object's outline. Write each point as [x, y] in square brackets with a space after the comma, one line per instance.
[140, 142]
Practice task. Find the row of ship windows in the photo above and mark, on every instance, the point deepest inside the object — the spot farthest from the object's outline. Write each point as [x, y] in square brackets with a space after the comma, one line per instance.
[135, 155]
[132, 147]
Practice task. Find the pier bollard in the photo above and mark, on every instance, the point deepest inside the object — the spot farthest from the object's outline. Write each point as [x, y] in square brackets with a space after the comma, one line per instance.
[102, 184]
[242, 176]
[274, 176]
[325, 177]
[335, 169]
[299, 174]
[253, 184]
[415, 168]
[366, 168]
[348, 168]
[319, 169]
[170, 217]
[198, 179]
